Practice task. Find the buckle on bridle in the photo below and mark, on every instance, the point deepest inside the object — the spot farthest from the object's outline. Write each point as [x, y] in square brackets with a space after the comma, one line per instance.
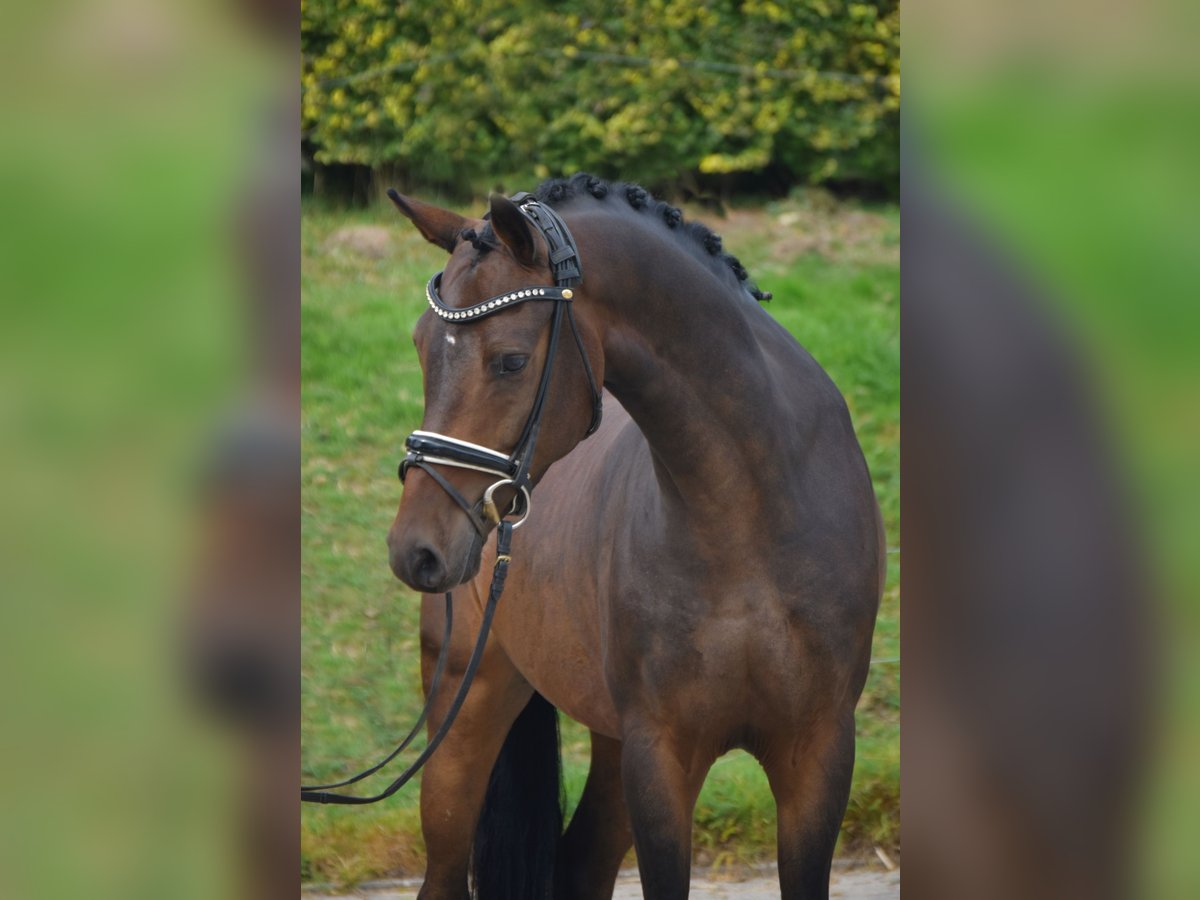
[493, 514]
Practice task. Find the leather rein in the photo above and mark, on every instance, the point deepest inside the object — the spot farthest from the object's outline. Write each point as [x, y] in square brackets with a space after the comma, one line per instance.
[427, 451]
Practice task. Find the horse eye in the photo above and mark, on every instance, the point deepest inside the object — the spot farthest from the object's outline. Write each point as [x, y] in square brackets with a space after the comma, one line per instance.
[513, 362]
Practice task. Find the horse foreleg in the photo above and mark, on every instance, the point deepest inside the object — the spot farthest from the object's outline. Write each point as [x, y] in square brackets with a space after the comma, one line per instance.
[662, 778]
[598, 837]
[454, 781]
[810, 778]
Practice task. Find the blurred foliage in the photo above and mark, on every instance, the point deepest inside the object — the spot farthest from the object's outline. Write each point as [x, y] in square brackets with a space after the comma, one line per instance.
[456, 91]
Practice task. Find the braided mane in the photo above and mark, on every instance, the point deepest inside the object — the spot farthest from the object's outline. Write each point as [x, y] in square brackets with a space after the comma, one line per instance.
[707, 244]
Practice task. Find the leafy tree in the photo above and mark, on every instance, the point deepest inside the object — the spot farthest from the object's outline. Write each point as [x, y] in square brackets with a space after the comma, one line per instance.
[456, 91]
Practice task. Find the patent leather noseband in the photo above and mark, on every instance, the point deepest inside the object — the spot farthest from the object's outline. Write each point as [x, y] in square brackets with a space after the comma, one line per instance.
[429, 450]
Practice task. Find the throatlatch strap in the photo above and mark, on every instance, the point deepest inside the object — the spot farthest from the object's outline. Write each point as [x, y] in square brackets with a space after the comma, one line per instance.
[597, 394]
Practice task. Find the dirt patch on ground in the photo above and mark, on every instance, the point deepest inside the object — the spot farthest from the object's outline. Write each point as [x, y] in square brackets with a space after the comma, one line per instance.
[369, 241]
[812, 224]
[849, 236]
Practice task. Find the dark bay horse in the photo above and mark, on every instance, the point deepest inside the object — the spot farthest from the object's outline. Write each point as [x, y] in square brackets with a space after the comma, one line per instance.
[701, 574]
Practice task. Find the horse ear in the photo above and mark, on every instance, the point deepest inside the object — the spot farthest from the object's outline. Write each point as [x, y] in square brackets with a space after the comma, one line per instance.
[439, 226]
[512, 228]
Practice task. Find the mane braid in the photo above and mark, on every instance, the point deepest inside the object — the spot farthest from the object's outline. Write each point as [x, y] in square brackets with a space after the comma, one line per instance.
[556, 191]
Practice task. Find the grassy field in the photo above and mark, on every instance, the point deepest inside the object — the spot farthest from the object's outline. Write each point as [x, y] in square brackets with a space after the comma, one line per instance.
[834, 271]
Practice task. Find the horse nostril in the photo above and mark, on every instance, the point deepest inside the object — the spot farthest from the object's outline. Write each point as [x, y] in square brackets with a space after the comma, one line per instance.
[426, 569]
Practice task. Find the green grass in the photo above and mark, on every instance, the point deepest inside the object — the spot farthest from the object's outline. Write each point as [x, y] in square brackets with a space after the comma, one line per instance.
[362, 395]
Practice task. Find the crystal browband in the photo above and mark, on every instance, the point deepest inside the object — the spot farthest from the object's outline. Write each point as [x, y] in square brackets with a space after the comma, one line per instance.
[492, 304]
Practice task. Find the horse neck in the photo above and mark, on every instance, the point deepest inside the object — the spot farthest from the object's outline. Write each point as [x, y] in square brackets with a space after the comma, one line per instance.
[682, 357]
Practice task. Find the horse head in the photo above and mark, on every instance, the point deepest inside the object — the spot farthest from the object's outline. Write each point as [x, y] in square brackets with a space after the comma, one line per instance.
[501, 403]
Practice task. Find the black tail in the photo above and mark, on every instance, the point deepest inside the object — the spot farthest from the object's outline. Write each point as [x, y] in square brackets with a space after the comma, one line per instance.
[517, 836]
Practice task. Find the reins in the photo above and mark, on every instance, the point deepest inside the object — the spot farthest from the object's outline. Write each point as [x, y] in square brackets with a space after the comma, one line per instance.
[428, 450]
[323, 793]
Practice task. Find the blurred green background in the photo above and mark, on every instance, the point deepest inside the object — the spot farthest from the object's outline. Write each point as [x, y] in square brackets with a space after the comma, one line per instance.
[1068, 134]
[1083, 186]
[121, 342]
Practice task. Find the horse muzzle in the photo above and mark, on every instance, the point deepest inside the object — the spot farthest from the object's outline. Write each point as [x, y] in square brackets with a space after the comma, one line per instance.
[433, 559]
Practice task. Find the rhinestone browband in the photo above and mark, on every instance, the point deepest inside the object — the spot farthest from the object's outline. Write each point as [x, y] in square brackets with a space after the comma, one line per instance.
[491, 305]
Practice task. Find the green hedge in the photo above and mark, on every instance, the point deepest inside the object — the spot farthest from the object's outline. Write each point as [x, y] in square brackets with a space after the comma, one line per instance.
[449, 91]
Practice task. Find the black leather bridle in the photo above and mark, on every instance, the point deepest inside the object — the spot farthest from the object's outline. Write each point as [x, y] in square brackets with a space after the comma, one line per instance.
[427, 450]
